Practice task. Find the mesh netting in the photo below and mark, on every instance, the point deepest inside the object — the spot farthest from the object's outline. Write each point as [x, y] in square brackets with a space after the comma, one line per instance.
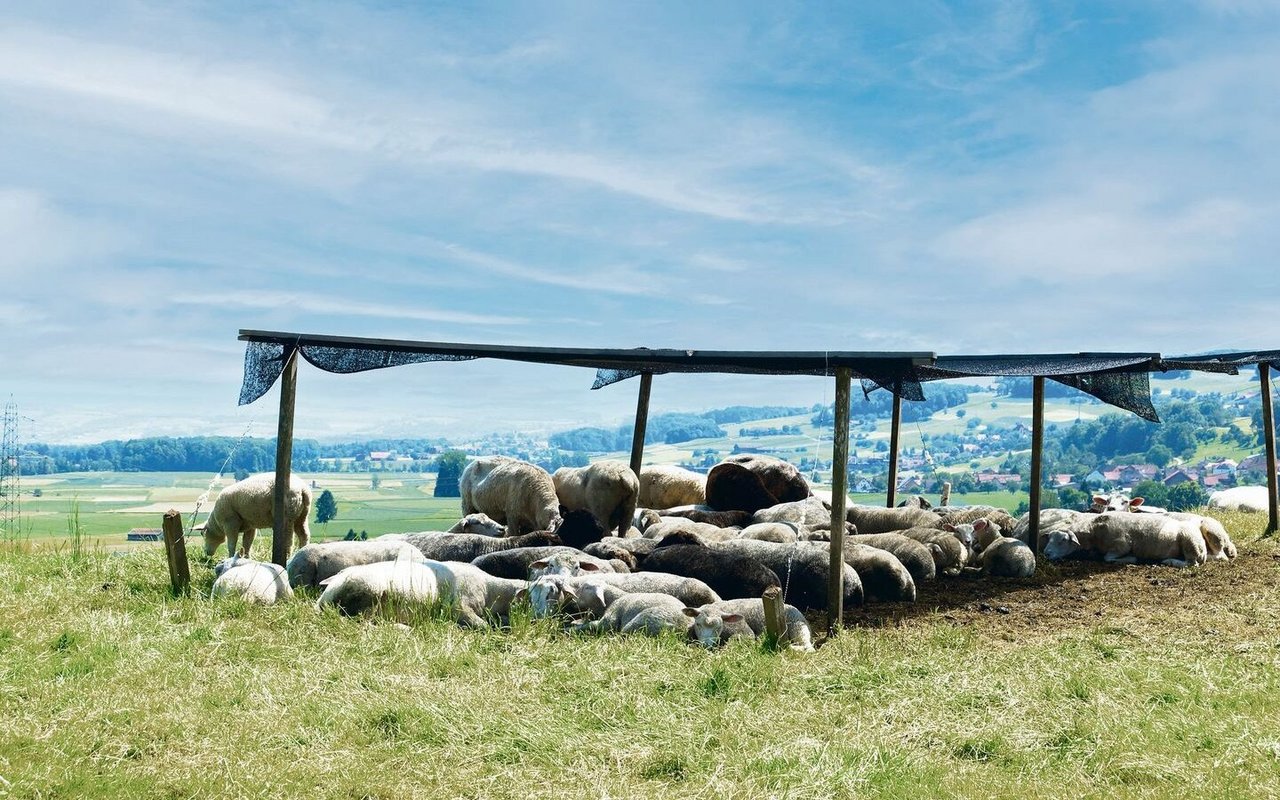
[1228, 363]
[898, 376]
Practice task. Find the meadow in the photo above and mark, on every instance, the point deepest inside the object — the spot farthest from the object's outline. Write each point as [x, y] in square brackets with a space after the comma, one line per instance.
[1085, 681]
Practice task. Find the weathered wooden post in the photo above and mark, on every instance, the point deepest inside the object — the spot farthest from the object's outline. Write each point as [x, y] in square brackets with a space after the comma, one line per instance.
[945, 497]
[1269, 437]
[281, 532]
[175, 550]
[839, 499]
[1037, 454]
[774, 614]
[891, 498]
[642, 422]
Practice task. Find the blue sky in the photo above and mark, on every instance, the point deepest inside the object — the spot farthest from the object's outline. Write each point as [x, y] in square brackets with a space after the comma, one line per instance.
[985, 177]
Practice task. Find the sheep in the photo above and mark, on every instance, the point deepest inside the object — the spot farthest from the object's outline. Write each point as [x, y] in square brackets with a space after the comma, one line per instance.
[474, 595]
[666, 487]
[1001, 556]
[402, 587]
[715, 623]
[1124, 538]
[956, 515]
[782, 479]
[1217, 542]
[802, 568]
[479, 523]
[1052, 519]
[915, 501]
[549, 594]
[875, 519]
[735, 487]
[780, 532]
[690, 591]
[917, 557]
[247, 505]
[707, 514]
[312, 565]
[1248, 499]
[951, 554]
[643, 518]
[608, 489]
[606, 548]
[254, 581]
[516, 493]
[652, 613]
[729, 575]
[566, 563]
[514, 563]
[578, 528]
[703, 530]
[441, 546]
[884, 578]
[810, 514]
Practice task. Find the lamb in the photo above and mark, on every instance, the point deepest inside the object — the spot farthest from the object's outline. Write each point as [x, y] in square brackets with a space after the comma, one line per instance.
[1001, 556]
[802, 568]
[1124, 538]
[1248, 499]
[951, 554]
[608, 489]
[247, 505]
[715, 623]
[549, 594]
[402, 588]
[884, 578]
[874, 519]
[312, 565]
[667, 487]
[476, 596]
[917, 557]
[651, 613]
[440, 546]
[254, 581]
[729, 575]
[1217, 542]
[519, 494]
[565, 563]
[514, 563]
[479, 523]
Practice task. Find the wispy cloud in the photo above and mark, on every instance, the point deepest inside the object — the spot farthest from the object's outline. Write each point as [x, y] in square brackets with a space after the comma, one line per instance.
[292, 303]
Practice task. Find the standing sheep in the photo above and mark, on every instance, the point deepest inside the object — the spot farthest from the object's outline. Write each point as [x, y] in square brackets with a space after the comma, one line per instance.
[608, 489]
[515, 493]
[668, 487]
[247, 505]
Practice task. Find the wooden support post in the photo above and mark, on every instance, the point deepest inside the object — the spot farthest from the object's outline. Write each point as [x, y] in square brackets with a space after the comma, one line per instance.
[945, 498]
[175, 549]
[896, 426]
[642, 422]
[282, 532]
[839, 499]
[1037, 455]
[774, 615]
[1269, 436]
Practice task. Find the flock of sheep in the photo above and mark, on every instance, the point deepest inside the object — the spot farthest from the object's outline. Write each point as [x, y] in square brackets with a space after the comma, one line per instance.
[671, 550]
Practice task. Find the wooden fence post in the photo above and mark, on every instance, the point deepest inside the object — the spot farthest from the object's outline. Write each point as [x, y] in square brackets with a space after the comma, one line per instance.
[282, 532]
[774, 623]
[175, 550]
[1037, 455]
[839, 499]
[1269, 437]
[642, 422]
[895, 426]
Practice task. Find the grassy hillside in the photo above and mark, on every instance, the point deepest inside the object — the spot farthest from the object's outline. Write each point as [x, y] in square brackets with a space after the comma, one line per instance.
[1086, 681]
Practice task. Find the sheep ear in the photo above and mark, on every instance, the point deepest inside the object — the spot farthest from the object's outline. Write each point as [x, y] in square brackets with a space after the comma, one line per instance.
[732, 618]
[935, 550]
[689, 612]
[539, 564]
[521, 594]
[569, 591]
[1137, 501]
[949, 527]
[598, 591]
[1099, 500]
[587, 566]
[328, 581]
[980, 525]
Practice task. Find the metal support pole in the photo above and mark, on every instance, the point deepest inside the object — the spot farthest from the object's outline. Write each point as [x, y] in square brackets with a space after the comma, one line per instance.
[282, 531]
[642, 422]
[839, 497]
[1269, 436]
[895, 428]
[1037, 455]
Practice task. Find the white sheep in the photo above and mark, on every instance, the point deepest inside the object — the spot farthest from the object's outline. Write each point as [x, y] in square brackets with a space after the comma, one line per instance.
[641, 612]
[1249, 499]
[713, 624]
[592, 594]
[402, 589]
[703, 530]
[479, 523]
[1124, 538]
[664, 486]
[1000, 556]
[607, 489]
[475, 595]
[247, 505]
[313, 564]
[512, 492]
[254, 581]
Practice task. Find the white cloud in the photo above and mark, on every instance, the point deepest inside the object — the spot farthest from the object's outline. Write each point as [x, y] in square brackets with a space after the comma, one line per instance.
[293, 303]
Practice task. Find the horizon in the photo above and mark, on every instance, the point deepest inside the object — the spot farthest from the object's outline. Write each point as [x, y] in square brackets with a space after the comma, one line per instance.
[960, 180]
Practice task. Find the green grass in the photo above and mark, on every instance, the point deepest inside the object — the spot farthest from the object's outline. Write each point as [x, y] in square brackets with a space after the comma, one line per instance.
[111, 687]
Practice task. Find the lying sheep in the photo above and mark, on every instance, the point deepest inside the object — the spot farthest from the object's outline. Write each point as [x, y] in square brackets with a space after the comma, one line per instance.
[782, 479]
[780, 532]
[957, 515]
[1248, 499]
[514, 563]
[917, 557]
[811, 514]
[875, 519]
[579, 528]
[951, 554]
[707, 514]
[253, 581]
[519, 494]
[884, 578]
[582, 595]
[1217, 542]
[714, 624]
[400, 588]
[729, 574]
[1125, 538]
[475, 596]
[1001, 556]
[565, 563]
[479, 523]
[247, 505]
[1052, 519]
[650, 613]
[440, 546]
[313, 564]
[803, 570]
[702, 530]
[608, 489]
[667, 487]
[639, 548]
